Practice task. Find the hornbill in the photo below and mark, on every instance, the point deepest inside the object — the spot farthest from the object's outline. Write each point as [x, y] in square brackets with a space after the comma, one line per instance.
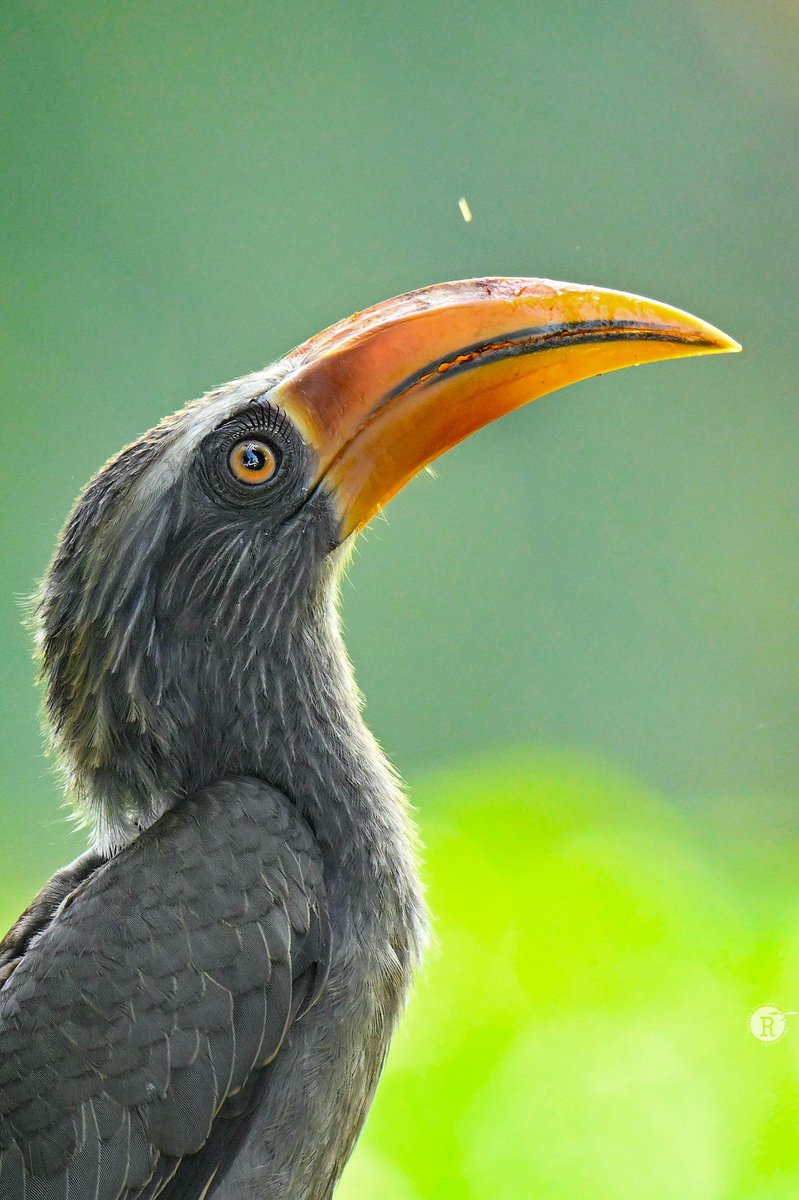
[201, 1004]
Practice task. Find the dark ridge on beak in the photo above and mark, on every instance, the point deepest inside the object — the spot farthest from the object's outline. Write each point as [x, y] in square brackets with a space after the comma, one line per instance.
[534, 340]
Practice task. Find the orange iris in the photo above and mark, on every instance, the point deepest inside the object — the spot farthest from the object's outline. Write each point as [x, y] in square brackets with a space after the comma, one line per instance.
[252, 461]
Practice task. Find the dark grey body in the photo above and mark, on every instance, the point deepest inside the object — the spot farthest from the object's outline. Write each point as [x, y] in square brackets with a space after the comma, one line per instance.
[193, 658]
[313, 1006]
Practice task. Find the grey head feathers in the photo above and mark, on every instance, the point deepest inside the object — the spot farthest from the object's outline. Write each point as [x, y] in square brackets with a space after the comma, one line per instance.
[172, 624]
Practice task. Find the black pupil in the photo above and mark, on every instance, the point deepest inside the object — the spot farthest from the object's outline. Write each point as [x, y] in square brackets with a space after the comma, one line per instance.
[253, 458]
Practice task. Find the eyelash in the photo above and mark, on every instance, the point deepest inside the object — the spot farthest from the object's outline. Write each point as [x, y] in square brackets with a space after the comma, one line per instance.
[263, 418]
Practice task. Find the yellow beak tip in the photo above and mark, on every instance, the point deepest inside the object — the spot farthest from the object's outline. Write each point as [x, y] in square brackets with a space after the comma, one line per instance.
[724, 344]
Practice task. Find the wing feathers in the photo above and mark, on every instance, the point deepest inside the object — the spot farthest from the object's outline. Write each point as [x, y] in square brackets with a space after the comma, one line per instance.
[155, 994]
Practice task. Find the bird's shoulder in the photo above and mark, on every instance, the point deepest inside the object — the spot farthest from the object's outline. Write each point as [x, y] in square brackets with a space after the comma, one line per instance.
[162, 983]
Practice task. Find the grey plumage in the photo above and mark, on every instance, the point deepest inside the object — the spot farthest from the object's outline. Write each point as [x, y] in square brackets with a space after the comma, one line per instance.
[168, 1001]
[158, 1031]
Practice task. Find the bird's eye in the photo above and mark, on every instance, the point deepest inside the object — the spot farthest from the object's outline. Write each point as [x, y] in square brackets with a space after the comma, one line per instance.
[252, 461]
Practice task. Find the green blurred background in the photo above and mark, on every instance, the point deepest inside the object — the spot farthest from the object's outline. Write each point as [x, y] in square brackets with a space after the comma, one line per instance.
[577, 644]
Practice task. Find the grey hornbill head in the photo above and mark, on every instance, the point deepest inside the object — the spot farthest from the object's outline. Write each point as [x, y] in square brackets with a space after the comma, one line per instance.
[192, 595]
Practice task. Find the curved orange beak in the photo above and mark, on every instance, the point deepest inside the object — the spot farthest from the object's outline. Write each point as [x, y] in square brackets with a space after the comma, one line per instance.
[386, 391]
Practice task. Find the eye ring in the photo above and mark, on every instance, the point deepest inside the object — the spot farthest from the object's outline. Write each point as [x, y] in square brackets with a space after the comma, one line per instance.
[253, 462]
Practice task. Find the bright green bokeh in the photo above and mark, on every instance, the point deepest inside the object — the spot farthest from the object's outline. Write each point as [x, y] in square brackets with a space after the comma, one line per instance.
[190, 190]
[581, 1028]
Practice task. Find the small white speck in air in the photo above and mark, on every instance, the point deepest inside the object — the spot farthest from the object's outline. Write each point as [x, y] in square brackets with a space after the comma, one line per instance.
[466, 212]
